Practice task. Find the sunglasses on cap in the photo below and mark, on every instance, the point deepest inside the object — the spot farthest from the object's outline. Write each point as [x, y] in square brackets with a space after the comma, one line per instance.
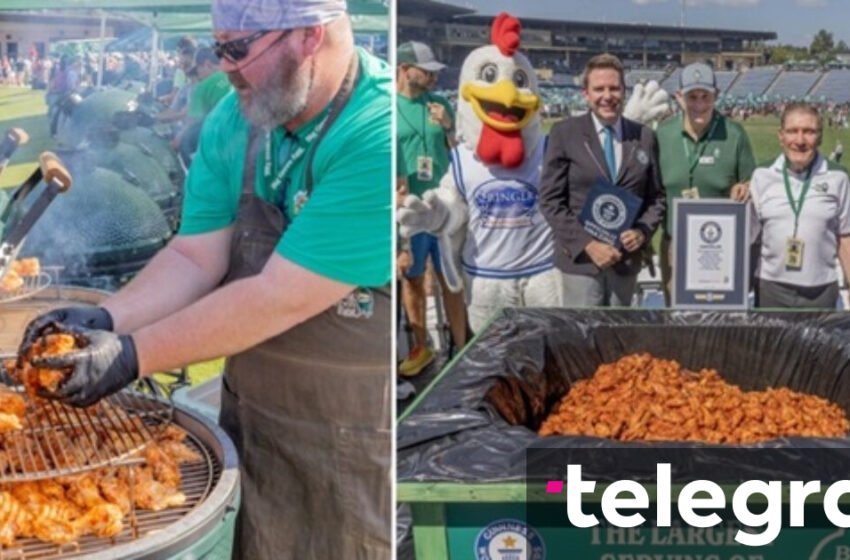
[238, 49]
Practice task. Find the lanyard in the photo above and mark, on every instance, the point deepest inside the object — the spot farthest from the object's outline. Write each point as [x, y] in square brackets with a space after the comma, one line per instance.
[797, 205]
[419, 132]
[339, 102]
[293, 158]
[702, 144]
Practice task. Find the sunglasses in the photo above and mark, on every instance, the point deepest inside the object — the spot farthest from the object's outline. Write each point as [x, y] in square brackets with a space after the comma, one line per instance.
[237, 49]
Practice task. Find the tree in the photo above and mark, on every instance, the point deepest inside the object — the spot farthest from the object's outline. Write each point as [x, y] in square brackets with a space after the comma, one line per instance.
[781, 54]
[823, 46]
[842, 47]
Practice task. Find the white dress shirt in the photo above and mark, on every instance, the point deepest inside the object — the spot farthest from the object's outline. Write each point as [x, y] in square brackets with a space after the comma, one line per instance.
[618, 140]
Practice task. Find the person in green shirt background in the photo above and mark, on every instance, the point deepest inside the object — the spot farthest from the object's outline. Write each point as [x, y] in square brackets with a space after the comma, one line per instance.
[425, 134]
[703, 154]
[282, 263]
[211, 87]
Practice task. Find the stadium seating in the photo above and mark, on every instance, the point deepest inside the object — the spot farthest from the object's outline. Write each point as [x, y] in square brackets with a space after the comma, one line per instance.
[633, 77]
[671, 84]
[754, 82]
[725, 79]
[835, 86]
[793, 84]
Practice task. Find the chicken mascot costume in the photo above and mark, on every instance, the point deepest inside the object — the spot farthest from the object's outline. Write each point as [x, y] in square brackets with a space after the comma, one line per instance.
[485, 212]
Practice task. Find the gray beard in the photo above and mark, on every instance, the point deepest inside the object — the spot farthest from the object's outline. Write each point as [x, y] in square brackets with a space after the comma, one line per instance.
[279, 100]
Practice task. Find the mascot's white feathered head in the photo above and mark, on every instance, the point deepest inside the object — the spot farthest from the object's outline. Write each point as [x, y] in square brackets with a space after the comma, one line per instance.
[499, 98]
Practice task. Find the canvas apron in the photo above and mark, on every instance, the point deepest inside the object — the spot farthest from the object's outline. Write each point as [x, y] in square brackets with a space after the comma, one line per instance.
[309, 412]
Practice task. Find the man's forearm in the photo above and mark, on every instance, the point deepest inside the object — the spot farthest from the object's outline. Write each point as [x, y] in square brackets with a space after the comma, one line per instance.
[173, 279]
[235, 318]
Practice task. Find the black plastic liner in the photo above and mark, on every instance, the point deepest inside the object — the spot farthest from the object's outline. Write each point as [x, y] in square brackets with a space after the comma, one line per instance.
[478, 421]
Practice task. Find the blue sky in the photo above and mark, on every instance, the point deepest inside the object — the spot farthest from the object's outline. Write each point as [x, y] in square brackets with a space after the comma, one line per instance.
[795, 21]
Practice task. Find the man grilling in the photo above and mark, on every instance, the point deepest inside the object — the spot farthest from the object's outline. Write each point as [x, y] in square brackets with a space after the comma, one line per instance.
[282, 263]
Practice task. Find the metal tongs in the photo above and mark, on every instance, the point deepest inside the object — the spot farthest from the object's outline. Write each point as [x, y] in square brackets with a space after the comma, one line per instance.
[17, 220]
[13, 138]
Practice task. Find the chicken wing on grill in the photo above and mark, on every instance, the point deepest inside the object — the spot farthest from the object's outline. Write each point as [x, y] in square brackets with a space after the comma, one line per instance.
[12, 410]
[103, 520]
[154, 495]
[14, 519]
[54, 522]
[11, 281]
[34, 379]
[9, 422]
[26, 267]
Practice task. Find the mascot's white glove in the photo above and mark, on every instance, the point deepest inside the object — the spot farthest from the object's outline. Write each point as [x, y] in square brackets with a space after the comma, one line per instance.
[647, 103]
[442, 213]
[416, 215]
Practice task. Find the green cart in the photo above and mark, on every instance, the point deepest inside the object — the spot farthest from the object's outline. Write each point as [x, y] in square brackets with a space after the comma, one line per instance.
[463, 516]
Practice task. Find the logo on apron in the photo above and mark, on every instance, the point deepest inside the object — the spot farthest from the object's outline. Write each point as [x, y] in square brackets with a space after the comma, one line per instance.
[359, 304]
[298, 201]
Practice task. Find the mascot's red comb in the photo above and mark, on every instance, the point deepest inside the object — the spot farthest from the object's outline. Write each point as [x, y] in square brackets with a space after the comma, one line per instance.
[505, 33]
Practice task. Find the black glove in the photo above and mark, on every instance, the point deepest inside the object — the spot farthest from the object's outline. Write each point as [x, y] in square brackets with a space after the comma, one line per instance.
[104, 364]
[86, 317]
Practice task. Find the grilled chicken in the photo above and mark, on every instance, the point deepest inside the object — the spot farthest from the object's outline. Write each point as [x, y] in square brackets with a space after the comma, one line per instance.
[640, 397]
[64, 509]
[26, 267]
[11, 281]
[34, 379]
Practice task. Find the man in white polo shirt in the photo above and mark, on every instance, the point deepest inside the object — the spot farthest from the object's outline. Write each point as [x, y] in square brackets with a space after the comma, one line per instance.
[801, 206]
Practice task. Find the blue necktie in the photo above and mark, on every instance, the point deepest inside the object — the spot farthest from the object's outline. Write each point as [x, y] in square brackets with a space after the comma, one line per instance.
[610, 157]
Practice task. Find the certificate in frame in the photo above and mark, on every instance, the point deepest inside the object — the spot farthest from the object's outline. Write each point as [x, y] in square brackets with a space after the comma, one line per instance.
[711, 254]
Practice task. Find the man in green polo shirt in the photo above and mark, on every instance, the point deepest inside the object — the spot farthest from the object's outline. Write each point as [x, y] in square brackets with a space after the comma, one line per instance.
[702, 154]
[211, 88]
[282, 263]
[424, 135]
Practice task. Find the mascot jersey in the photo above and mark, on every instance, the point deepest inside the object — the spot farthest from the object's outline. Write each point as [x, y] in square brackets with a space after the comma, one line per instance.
[507, 236]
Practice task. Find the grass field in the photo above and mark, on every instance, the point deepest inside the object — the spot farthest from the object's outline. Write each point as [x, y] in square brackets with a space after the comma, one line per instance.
[25, 108]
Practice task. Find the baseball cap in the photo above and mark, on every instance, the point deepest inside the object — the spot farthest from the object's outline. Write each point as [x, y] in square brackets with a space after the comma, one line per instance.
[263, 15]
[419, 55]
[697, 76]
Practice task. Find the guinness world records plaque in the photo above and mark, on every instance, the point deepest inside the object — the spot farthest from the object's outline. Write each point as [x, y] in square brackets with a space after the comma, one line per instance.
[711, 254]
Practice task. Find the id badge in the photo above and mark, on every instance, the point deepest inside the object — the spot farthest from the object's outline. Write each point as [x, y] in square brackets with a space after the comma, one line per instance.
[706, 160]
[691, 193]
[424, 168]
[794, 253]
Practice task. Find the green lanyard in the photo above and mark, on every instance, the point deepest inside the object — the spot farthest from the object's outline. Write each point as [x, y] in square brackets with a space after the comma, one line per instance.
[293, 158]
[797, 205]
[702, 144]
[419, 133]
[339, 102]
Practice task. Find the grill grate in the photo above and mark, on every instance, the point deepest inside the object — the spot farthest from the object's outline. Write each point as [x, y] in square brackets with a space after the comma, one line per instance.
[198, 480]
[60, 440]
[32, 285]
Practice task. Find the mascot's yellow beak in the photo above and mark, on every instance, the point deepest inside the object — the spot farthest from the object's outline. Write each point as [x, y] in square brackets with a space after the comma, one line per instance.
[501, 106]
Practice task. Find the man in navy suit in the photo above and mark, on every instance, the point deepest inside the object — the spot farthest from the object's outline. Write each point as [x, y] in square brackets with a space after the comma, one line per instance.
[601, 143]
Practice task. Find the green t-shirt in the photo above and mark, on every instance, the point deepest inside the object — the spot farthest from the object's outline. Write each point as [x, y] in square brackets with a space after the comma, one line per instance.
[419, 136]
[722, 158]
[179, 79]
[206, 94]
[343, 231]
